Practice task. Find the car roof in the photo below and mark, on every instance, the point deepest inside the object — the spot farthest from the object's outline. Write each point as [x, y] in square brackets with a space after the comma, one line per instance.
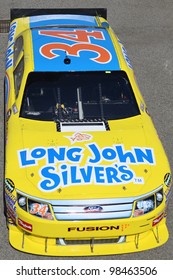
[83, 39]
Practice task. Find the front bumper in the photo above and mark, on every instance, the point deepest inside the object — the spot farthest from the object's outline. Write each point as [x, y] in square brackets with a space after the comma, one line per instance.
[88, 238]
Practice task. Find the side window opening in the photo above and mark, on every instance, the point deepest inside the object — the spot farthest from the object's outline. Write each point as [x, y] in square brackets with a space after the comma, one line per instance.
[18, 74]
[18, 64]
[18, 49]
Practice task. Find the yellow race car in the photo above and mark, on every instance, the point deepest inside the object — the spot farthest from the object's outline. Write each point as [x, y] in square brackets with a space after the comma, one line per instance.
[85, 171]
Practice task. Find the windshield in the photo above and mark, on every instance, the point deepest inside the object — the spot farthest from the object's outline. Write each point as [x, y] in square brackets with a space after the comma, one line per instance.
[78, 96]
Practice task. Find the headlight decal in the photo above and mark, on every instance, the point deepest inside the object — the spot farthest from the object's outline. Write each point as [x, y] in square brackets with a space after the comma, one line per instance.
[144, 206]
[148, 204]
[39, 209]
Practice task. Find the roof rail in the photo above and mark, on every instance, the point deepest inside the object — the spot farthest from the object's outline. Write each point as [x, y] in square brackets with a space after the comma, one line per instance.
[17, 13]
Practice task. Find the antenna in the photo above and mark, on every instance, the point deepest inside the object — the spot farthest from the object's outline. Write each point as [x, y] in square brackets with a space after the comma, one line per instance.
[67, 60]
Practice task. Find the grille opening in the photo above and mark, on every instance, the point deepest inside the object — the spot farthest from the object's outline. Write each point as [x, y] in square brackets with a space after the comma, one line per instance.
[66, 242]
[104, 209]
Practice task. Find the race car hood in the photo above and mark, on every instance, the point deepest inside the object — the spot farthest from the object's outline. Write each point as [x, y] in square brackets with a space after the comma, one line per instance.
[121, 161]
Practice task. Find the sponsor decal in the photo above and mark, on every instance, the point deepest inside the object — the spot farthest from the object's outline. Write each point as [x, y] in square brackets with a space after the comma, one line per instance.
[9, 185]
[93, 208]
[166, 212]
[158, 219]
[124, 52]
[79, 137]
[7, 88]
[11, 209]
[168, 183]
[10, 200]
[142, 106]
[147, 111]
[168, 180]
[101, 228]
[167, 194]
[14, 109]
[10, 221]
[68, 166]
[8, 114]
[25, 225]
[124, 227]
[10, 48]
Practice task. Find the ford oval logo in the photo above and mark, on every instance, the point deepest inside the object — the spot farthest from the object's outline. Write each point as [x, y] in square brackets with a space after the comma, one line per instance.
[93, 208]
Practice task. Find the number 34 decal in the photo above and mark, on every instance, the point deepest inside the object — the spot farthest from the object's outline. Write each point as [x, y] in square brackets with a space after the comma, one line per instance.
[82, 43]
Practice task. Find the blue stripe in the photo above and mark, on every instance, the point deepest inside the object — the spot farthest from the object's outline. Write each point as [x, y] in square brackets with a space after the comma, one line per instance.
[36, 21]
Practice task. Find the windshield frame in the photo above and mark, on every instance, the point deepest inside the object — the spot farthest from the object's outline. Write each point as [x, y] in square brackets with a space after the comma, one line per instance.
[93, 94]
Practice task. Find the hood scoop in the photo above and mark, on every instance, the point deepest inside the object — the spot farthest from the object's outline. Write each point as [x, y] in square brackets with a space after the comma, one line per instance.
[73, 126]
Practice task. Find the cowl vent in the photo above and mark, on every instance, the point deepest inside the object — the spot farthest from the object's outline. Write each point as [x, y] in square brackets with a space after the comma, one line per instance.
[69, 126]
